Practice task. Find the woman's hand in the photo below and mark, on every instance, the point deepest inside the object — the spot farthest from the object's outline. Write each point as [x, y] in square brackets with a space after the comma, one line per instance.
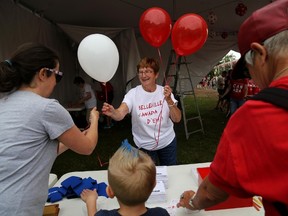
[107, 109]
[167, 91]
[94, 115]
[167, 94]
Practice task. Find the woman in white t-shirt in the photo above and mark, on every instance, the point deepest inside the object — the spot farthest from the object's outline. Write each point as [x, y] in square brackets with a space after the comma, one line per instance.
[153, 109]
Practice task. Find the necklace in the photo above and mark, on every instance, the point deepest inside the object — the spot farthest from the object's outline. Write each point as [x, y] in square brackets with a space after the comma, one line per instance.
[282, 70]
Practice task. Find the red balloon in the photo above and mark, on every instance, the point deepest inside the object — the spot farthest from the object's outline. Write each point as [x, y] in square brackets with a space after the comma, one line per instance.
[189, 34]
[155, 26]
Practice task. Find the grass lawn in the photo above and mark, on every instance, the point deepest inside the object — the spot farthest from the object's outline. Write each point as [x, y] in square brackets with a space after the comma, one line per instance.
[198, 148]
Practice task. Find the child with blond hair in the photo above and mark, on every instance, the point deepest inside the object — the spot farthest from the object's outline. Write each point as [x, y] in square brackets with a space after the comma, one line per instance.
[131, 178]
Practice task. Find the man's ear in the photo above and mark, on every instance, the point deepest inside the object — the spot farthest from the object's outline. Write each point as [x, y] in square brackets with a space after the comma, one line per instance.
[260, 52]
[110, 192]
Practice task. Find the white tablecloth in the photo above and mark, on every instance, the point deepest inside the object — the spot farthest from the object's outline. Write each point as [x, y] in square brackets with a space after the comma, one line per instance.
[52, 180]
[180, 178]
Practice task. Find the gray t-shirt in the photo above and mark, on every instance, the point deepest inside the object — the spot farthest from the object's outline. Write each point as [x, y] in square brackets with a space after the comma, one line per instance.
[29, 126]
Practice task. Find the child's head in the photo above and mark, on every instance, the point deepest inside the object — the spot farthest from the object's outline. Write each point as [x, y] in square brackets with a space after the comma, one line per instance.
[131, 175]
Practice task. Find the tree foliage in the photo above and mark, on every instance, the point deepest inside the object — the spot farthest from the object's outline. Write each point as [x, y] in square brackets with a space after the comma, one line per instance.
[226, 63]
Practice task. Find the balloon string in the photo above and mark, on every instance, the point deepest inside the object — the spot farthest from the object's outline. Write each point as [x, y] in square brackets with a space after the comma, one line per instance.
[167, 81]
[161, 63]
[159, 119]
[106, 92]
[100, 161]
[160, 56]
[106, 99]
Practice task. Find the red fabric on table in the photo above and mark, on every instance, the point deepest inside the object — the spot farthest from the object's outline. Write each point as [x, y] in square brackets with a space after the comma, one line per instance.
[231, 202]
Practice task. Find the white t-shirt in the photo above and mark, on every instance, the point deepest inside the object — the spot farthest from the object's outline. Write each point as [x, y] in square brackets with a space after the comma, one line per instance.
[152, 127]
[92, 102]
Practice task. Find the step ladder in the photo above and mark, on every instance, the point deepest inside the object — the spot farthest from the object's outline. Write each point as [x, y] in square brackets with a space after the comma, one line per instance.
[177, 79]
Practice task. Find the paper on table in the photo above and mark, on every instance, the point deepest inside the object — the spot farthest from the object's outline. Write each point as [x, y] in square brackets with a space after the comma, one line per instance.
[195, 175]
[158, 194]
[171, 209]
[161, 175]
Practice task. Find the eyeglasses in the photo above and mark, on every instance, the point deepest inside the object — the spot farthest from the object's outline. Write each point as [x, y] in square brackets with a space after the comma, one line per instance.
[144, 71]
[249, 57]
[58, 74]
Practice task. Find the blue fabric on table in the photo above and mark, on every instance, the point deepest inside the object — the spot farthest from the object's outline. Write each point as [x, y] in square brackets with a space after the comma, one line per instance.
[102, 189]
[73, 186]
[54, 195]
[72, 182]
[87, 183]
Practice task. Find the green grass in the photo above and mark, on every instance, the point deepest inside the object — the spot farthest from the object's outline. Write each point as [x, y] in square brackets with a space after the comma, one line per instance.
[198, 148]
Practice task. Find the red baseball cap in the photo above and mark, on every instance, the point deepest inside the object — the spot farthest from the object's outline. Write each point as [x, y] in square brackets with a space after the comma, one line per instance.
[263, 24]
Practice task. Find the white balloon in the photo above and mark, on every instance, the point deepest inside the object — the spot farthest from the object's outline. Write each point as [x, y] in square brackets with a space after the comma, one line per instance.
[98, 56]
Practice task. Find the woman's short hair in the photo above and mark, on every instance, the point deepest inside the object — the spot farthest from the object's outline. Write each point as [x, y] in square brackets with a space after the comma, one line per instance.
[149, 62]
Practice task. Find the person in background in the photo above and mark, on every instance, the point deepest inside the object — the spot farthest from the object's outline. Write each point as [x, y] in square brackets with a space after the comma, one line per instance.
[225, 98]
[153, 109]
[34, 129]
[253, 89]
[220, 89]
[250, 88]
[106, 95]
[131, 178]
[251, 158]
[238, 93]
[214, 82]
[87, 96]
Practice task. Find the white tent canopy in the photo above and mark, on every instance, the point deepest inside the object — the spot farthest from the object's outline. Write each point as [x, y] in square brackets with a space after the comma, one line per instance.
[61, 25]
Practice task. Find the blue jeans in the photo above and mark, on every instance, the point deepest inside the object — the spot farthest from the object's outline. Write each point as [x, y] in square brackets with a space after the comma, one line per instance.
[166, 156]
[235, 104]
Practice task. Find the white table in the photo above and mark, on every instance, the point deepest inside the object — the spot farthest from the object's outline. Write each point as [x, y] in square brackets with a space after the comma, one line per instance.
[52, 180]
[180, 178]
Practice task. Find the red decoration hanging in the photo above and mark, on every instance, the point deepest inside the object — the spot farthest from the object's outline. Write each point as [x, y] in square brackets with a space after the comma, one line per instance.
[240, 9]
[212, 18]
[212, 34]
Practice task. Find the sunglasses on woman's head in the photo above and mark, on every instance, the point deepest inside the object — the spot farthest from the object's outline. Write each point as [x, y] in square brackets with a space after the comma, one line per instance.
[58, 74]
